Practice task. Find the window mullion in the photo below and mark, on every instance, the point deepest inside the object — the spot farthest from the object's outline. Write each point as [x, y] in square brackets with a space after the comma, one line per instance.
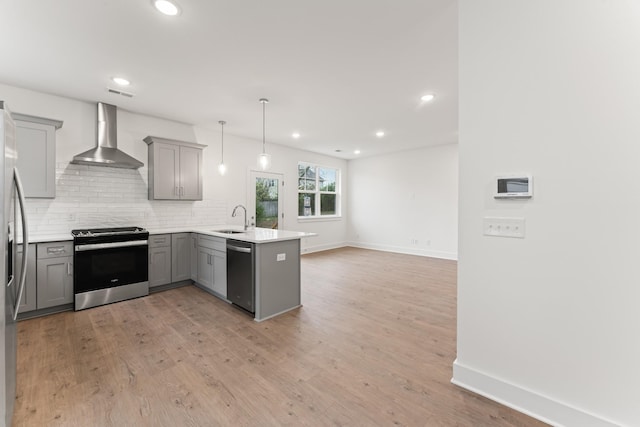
[317, 195]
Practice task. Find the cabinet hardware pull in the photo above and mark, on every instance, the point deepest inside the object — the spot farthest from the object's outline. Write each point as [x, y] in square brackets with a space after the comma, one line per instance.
[69, 269]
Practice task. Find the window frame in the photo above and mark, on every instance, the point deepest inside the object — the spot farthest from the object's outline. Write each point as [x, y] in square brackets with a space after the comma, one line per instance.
[317, 215]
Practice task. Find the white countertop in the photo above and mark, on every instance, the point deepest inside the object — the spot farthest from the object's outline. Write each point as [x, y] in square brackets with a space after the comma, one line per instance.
[254, 235]
[41, 238]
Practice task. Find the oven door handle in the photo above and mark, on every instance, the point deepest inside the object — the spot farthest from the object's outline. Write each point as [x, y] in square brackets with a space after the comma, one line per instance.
[98, 246]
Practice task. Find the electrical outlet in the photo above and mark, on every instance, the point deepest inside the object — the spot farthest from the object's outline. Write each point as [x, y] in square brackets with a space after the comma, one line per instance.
[281, 257]
[504, 227]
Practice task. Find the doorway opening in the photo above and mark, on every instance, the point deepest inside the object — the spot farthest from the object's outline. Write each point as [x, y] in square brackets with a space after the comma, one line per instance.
[266, 199]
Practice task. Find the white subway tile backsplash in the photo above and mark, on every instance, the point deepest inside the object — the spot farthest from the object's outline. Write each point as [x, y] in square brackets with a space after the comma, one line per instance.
[94, 196]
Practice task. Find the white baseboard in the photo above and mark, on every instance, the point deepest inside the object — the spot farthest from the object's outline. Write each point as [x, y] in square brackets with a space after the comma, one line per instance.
[404, 250]
[536, 405]
[320, 248]
[384, 248]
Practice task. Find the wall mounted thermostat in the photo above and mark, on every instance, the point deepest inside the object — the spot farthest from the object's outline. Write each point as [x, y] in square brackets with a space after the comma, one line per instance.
[513, 187]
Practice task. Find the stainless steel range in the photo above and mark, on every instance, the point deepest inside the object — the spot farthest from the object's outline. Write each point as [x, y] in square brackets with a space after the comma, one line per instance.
[109, 265]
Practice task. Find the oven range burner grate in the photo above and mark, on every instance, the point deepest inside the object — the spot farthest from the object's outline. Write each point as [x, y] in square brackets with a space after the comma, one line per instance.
[94, 232]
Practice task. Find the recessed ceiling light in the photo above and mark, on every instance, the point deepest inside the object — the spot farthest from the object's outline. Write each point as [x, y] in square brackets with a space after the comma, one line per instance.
[120, 81]
[295, 135]
[167, 7]
[428, 97]
[356, 152]
[380, 134]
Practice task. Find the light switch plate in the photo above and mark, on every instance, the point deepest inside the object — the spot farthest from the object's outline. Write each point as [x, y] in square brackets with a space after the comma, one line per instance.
[504, 227]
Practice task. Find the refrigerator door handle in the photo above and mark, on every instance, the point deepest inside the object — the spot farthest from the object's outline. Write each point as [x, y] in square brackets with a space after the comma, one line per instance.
[25, 240]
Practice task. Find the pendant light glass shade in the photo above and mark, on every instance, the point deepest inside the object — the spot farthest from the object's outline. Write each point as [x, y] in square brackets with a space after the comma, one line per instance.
[222, 168]
[264, 159]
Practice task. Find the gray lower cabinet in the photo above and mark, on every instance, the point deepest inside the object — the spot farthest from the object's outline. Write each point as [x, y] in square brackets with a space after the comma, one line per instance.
[212, 264]
[193, 252]
[37, 137]
[180, 257]
[54, 274]
[205, 267]
[29, 300]
[220, 272]
[159, 260]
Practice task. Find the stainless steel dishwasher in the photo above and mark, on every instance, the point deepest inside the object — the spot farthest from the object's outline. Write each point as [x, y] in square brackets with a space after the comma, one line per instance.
[241, 277]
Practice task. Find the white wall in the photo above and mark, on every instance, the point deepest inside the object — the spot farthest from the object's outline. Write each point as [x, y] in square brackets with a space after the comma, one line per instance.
[241, 155]
[550, 324]
[406, 202]
[92, 196]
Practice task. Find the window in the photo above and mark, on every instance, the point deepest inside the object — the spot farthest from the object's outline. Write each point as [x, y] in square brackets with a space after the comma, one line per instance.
[318, 191]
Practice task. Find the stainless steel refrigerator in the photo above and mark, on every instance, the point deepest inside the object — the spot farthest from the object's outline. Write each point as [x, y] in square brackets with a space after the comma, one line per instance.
[12, 215]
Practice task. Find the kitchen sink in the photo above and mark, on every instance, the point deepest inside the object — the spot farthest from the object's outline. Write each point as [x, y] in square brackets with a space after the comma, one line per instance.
[228, 231]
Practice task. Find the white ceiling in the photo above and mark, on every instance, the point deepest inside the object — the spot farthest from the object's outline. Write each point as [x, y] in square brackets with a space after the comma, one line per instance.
[334, 70]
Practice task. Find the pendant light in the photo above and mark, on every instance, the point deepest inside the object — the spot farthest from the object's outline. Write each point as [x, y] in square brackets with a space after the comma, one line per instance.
[264, 159]
[222, 168]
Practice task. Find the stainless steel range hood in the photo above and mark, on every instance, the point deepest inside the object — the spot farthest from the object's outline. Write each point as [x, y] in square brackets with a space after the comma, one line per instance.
[107, 153]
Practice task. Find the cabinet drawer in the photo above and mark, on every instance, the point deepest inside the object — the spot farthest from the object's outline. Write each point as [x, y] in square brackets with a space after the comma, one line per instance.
[54, 249]
[160, 240]
[216, 243]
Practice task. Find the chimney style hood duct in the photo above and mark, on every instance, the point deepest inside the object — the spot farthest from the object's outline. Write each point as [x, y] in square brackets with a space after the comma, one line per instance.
[107, 153]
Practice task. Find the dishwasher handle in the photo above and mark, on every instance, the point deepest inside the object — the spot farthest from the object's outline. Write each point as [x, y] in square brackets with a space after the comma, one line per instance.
[238, 249]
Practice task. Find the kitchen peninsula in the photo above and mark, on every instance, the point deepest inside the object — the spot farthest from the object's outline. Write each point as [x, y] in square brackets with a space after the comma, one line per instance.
[205, 252]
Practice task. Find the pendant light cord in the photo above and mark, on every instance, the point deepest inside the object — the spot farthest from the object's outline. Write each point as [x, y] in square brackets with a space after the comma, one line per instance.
[222, 123]
[263, 101]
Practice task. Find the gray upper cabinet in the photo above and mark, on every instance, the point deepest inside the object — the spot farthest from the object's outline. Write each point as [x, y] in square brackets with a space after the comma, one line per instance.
[36, 141]
[190, 173]
[164, 168]
[175, 169]
[180, 257]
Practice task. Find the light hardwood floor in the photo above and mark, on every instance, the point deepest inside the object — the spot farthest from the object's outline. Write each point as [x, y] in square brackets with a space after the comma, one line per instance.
[373, 345]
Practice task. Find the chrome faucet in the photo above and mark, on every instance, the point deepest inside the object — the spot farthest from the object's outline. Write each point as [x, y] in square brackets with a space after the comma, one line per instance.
[233, 214]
